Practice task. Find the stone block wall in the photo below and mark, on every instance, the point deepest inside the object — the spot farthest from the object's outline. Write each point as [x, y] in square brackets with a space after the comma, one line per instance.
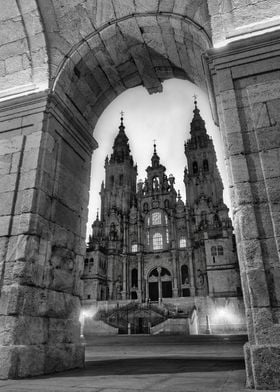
[246, 78]
[232, 19]
[44, 193]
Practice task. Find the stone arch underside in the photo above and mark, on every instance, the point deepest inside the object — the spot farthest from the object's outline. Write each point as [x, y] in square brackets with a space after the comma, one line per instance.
[136, 50]
[23, 52]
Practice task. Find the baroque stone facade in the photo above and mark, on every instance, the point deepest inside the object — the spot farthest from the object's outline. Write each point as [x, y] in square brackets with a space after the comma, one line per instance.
[148, 244]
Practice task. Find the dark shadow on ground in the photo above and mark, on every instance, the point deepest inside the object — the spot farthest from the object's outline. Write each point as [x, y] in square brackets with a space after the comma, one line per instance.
[162, 365]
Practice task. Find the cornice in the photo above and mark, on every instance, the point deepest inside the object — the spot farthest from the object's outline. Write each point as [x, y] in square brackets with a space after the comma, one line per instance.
[245, 50]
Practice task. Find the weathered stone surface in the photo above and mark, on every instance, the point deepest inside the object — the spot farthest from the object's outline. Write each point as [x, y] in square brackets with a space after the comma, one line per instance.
[266, 364]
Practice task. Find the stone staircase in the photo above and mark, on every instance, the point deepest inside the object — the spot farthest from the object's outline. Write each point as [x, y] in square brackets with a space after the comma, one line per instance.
[138, 318]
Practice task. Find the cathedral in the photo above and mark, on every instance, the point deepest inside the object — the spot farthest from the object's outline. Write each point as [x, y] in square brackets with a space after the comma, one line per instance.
[147, 244]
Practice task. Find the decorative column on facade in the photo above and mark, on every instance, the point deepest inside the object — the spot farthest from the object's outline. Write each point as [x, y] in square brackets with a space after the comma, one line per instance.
[110, 276]
[147, 289]
[139, 292]
[191, 273]
[124, 287]
[159, 285]
[175, 274]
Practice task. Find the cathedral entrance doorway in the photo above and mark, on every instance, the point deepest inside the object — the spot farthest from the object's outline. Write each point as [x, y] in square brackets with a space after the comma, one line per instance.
[160, 284]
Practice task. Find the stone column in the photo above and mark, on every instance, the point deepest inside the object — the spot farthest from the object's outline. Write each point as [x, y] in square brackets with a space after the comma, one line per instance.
[159, 285]
[124, 288]
[139, 291]
[191, 273]
[175, 274]
[247, 87]
[147, 289]
[43, 196]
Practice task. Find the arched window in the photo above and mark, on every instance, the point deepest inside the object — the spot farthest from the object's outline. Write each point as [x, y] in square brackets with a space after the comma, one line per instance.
[220, 250]
[145, 207]
[195, 167]
[205, 165]
[156, 218]
[213, 251]
[134, 278]
[134, 248]
[185, 274]
[182, 242]
[166, 203]
[156, 183]
[157, 241]
[112, 180]
[86, 262]
[121, 179]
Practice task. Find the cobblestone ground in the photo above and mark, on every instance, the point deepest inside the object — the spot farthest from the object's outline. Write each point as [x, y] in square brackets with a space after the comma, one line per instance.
[149, 363]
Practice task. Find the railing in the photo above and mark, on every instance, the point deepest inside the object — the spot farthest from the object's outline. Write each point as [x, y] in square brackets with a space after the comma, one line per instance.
[127, 317]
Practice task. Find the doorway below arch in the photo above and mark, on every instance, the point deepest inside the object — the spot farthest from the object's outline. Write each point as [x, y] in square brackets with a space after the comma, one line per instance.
[160, 284]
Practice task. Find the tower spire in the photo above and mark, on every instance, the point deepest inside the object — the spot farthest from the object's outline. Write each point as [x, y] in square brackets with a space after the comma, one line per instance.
[122, 127]
[155, 147]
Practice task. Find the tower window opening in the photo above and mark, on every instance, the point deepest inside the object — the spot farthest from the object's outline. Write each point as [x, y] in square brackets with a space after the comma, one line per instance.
[213, 251]
[155, 183]
[220, 250]
[205, 165]
[148, 238]
[156, 218]
[121, 180]
[166, 203]
[195, 167]
[112, 180]
[157, 241]
[182, 242]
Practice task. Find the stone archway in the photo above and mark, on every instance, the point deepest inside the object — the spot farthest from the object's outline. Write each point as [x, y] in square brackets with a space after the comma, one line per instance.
[47, 144]
[159, 284]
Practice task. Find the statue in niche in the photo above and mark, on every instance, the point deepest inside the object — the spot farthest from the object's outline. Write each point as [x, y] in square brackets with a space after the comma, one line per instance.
[199, 279]
[113, 234]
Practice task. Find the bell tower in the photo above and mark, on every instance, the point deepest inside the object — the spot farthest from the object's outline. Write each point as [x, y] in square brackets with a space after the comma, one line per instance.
[119, 190]
[202, 177]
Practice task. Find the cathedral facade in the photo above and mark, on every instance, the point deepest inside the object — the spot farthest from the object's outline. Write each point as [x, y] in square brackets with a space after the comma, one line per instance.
[147, 244]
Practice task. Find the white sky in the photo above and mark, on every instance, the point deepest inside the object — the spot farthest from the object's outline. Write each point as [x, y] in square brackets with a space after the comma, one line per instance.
[165, 117]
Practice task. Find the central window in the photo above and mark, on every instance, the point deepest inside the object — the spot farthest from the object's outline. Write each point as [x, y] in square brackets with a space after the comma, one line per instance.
[157, 241]
[134, 248]
[156, 218]
[182, 242]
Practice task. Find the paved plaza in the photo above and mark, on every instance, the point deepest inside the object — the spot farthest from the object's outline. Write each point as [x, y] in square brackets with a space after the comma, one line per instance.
[149, 363]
